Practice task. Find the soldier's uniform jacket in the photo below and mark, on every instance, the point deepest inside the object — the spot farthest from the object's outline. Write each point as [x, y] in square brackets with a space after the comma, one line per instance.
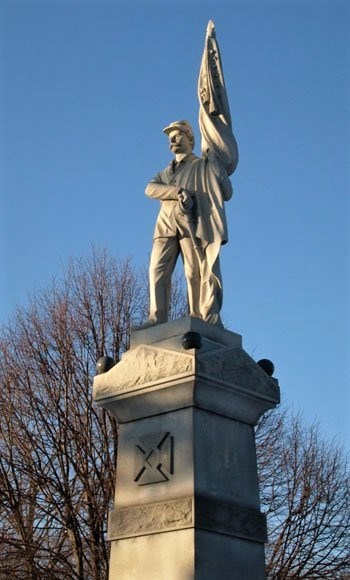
[207, 181]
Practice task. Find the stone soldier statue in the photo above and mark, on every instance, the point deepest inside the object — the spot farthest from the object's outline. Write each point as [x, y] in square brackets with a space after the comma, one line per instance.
[192, 191]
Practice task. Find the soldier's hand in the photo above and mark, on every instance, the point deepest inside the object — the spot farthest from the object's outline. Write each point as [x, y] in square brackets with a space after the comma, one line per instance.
[185, 199]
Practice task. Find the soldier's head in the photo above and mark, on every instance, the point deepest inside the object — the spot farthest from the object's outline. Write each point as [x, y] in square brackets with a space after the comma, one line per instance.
[181, 137]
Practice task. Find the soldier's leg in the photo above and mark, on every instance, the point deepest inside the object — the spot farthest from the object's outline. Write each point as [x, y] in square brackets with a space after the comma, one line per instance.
[211, 286]
[192, 274]
[162, 263]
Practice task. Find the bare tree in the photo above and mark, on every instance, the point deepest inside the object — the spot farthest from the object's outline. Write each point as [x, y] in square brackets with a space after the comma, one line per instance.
[304, 485]
[57, 449]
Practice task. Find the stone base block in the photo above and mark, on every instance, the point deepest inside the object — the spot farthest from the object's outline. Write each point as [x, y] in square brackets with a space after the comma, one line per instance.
[186, 555]
[187, 500]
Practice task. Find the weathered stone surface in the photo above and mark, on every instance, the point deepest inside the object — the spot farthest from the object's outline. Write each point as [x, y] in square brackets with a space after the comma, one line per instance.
[162, 333]
[235, 366]
[141, 366]
[224, 460]
[151, 519]
[167, 457]
[233, 520]
[201, 513]
[163, 556]
[186, 554]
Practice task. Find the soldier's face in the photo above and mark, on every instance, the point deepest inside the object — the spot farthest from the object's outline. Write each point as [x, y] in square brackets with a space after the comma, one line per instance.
[179, 142]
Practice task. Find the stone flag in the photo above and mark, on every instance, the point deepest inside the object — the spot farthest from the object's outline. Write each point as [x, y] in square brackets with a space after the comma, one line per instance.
[214, 112]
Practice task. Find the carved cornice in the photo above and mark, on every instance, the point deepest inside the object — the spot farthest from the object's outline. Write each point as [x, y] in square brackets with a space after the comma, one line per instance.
[145, 366]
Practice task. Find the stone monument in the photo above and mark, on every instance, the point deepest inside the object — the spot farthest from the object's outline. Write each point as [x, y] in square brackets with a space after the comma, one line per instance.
[192, 191]
[186, 395]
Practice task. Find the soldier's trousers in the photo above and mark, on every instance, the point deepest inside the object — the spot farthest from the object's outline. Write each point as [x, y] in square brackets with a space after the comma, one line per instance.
[203, 277]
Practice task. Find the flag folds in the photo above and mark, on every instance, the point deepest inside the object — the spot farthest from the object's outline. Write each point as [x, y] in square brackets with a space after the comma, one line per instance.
[214, 111]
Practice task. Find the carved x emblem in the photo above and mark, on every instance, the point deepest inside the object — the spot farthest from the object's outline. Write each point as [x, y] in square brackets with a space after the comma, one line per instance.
[154, 460]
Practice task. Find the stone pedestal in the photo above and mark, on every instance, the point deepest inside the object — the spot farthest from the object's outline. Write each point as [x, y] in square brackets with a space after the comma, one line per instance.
[187, 499]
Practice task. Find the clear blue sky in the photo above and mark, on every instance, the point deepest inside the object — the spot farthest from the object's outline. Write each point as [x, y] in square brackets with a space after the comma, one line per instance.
[85, 89]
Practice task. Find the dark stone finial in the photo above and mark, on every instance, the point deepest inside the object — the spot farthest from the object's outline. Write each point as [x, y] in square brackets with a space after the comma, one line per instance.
[267, 366]
[104, 364]
[191, 340]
